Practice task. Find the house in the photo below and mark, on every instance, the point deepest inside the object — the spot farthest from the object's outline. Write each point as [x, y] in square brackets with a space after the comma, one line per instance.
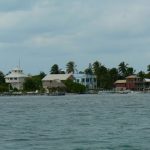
[146, 84]
[134, 83]
[16, 78]
[120, 85]
[55, 80]
[87, 80]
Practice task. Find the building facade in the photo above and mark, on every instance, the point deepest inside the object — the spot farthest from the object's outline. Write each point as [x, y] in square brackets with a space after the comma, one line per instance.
[16, 78]
[54, 80]
[87, 80]
[132, 82]
[146, 84]
[120, 85]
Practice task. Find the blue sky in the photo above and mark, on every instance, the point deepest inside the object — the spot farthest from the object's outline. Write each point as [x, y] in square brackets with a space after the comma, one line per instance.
[43, 32]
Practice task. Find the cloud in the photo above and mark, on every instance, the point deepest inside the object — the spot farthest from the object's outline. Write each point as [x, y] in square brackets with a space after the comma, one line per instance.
[109, 31]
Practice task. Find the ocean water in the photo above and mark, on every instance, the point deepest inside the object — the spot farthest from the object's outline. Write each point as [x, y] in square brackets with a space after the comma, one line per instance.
[75, 122]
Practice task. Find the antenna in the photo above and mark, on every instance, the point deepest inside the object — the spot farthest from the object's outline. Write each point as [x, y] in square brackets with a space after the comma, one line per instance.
[19, 63]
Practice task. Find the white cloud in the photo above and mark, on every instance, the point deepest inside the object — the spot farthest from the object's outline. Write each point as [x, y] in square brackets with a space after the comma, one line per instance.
[88, 29]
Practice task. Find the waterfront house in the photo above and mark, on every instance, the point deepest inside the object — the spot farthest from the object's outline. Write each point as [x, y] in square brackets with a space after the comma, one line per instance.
[146, 84]
[16, 78]
[134, 83]
[87, 80]
[55, 80]
[120, 85]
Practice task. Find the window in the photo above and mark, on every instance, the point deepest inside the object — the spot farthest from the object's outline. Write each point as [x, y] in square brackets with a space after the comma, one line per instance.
[77, 80]
[87, 79]
[83, 80]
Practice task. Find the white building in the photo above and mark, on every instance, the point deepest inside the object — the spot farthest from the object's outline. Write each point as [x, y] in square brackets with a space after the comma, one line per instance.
[16, 78]
[89, 81]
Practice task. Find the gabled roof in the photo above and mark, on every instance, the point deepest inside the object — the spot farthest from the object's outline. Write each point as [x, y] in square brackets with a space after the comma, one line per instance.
[61, 77]
[132, 77]
[120, 82]
[16, 73]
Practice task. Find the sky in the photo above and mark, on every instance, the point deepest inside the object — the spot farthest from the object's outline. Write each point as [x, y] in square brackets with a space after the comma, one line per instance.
[40, 33]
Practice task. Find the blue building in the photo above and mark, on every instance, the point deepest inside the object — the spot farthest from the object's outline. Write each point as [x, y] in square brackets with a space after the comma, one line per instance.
[87, 80]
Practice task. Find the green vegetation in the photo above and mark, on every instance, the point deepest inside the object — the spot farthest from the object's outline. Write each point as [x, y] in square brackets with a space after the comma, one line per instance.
[34, 83]
[70, 67]
[72, 87]
[3, 86]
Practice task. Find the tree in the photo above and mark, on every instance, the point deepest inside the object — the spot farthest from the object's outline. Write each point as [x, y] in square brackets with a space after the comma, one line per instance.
[3, 85]
[130, 71]
[73, 87]
[97, 72]
[2, 78]
[141, 74]
[70, 67]
[29, 84]
[148, 68]
[113, 74]
[88, 70]
[102, 74]
[96, 67]
[42, 75]
[55, 69]
[122, 68]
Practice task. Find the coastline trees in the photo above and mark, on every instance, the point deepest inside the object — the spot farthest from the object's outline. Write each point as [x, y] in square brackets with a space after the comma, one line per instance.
[34, 83]
[2, 77]
[89, 70]
[55, 69]
[148, 68]
[70, 67]
[105, 76]
[3, 86]
[101, 73]
[72, 87]
[124, 70]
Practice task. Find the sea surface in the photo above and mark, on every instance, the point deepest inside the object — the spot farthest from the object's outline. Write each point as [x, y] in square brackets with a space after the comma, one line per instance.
[75, 122]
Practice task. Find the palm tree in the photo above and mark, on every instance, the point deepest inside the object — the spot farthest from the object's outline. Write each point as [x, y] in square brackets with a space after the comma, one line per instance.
[141, 74]
[71, 67]
[88, 70]
[122, 69]
[130, 71]
[96, 67]
[42, 75]
[55, 69]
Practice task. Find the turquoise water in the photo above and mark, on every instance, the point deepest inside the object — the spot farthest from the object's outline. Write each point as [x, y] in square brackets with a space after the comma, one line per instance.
[77, 122]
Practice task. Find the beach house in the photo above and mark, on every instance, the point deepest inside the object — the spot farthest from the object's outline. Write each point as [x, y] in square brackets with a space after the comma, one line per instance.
[55, 80]
[132, 82]
[87, 80]
[16, 78]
